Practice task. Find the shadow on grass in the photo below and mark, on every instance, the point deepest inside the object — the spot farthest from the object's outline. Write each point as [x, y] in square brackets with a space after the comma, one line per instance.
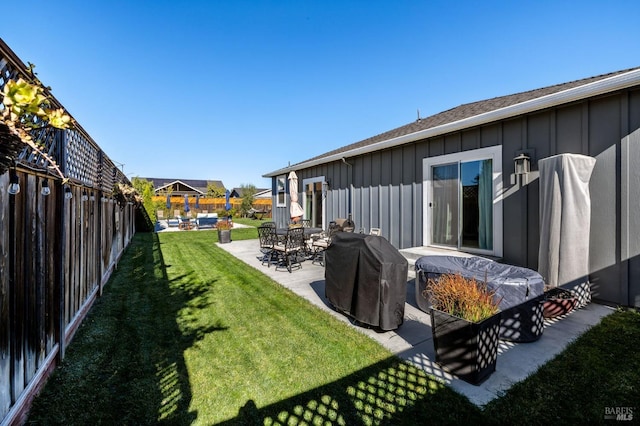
[389, 392]
[125, 365]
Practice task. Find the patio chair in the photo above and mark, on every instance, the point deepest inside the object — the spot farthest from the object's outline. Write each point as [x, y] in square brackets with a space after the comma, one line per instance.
[320, 244]
[288, 249]
[173, 221]
[253, 213]
[193, 222]
[268, 238]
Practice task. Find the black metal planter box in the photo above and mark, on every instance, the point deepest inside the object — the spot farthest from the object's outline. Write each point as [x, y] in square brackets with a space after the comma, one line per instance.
[467, 349]
[523, 323]
[224, 236]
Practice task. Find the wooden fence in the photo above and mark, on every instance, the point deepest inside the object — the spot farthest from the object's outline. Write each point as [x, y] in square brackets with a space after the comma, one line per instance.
[57, 251]
[208, 204]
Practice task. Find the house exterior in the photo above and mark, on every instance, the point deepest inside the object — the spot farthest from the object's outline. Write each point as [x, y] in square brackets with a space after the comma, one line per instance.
[263, 193]
[191, 187]
[404, 181]
[259, 194]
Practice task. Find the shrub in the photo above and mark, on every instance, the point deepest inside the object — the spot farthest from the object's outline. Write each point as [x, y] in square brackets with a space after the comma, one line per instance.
[226, 213]
[462, 297]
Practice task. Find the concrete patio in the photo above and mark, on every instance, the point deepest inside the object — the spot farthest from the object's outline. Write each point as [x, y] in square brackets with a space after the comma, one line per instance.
[412, 341]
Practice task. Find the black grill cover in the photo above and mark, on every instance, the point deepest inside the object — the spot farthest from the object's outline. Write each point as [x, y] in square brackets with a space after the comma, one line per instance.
[366, 278]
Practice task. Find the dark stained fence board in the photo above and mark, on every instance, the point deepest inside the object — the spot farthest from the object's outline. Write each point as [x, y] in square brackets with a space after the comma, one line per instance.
[51, 249]
[30, 273]
[19, 337]
[5, 329]
[40, 273]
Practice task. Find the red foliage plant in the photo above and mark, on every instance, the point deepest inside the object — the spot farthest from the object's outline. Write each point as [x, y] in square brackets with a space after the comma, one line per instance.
[462, 297]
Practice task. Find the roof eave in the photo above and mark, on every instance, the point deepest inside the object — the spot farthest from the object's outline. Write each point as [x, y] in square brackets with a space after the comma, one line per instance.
[180, 182]
[607, 85]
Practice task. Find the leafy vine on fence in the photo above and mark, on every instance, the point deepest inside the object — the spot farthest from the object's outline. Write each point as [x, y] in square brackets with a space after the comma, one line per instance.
[27, 108]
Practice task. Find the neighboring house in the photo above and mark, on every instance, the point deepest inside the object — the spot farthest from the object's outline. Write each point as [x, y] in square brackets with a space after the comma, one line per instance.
[403, 180]
[260, 193]
[263, 193]
[182, 186]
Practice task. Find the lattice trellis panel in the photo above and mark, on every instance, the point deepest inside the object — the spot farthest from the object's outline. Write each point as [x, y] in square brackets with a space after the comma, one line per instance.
[77, 154]
[47, 137]
[6, 72]
[108, 174]
[81, 158]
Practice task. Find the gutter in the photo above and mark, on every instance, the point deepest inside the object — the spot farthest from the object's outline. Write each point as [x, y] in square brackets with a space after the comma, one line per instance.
[596, 88]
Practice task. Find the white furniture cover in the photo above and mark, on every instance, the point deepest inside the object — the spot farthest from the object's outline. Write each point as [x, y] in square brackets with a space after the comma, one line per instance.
[565, 219]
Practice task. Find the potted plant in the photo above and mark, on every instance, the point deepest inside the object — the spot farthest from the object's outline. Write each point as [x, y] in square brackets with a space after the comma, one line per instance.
[28, 111]
[465, 321]
[558, 301]
[224, 231]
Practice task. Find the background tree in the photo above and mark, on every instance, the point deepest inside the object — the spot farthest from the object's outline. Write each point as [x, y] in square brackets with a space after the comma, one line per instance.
[145, 189]
[248, 193]
[215, 191]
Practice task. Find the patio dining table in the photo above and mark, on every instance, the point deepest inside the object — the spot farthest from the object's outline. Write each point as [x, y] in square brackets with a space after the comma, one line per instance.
[308, 232]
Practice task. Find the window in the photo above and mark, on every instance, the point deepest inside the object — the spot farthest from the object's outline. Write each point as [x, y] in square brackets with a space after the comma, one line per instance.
[281, 190]
[462, 207]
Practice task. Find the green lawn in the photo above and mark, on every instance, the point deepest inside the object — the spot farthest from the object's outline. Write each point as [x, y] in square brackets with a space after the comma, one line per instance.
[187, 334]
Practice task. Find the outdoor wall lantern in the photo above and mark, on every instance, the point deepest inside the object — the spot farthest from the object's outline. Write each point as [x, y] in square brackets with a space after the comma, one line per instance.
[92, 197]
[522, 164]
[85, 197]
[45, 188]
[67, 193]
[14, 183]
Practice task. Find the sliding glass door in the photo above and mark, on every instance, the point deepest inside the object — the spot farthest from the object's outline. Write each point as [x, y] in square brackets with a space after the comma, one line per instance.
[444, 207]
[461, 208]
[313, 202]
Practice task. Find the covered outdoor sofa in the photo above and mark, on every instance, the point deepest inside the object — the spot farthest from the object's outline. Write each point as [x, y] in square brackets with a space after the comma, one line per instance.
[520, 291]
[206, 220]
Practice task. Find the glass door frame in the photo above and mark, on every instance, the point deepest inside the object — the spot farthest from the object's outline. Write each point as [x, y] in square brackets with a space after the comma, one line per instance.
[495, 154]
[323, 197]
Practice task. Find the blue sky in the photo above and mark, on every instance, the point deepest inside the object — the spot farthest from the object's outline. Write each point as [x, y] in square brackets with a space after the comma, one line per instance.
[231, 90]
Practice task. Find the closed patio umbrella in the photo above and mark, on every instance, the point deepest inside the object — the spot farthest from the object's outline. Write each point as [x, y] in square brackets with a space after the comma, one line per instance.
[168, 201]
[295, 209]
[186, 203]
[197, 202]
[227, 195]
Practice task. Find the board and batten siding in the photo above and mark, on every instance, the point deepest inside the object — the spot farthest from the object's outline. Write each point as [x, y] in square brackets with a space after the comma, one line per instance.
[384, 188]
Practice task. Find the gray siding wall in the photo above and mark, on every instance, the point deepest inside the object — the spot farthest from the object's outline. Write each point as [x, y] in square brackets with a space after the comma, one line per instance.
[387, 185]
